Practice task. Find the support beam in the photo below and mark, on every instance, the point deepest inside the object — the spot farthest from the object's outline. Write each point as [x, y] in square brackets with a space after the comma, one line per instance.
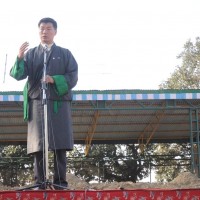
[150, 130]
[91, 132]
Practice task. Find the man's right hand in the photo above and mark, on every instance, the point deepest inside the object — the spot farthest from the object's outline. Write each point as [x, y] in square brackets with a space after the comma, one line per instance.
[22, 50]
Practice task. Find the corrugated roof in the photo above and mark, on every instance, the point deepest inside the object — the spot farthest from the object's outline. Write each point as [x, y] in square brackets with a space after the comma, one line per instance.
[114, 116]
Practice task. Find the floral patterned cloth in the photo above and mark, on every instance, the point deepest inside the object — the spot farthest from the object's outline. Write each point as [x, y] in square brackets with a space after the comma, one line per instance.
[140, 194]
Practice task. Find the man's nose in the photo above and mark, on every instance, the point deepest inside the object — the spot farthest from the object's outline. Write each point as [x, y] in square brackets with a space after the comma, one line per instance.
[44, 31]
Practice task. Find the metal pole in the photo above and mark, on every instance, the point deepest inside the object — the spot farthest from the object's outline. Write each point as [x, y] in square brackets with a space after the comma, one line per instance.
[4, 77]
[44, 101]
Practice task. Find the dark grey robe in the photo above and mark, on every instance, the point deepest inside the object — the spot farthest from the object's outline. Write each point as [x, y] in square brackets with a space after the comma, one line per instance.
[60, 61]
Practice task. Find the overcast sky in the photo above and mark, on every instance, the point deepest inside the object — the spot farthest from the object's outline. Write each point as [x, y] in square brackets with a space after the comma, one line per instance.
[118, 44]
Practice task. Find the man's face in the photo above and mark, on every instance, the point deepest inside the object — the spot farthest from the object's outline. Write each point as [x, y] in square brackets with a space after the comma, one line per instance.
[47, 33]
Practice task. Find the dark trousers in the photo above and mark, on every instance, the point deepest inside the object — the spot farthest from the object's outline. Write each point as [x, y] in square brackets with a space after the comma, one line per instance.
[60, 162]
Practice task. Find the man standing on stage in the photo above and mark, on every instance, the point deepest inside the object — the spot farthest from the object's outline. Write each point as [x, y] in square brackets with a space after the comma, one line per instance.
[61, 76]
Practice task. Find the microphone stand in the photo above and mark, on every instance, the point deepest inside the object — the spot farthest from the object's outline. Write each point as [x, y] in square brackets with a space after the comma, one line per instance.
[44, 103]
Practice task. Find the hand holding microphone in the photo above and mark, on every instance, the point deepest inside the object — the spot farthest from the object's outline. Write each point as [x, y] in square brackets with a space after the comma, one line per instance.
[48, 79]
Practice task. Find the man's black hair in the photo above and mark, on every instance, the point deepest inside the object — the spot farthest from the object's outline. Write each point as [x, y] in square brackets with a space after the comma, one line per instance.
[48, 20]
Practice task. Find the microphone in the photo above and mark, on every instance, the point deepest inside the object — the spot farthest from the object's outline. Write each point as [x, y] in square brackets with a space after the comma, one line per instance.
[46, 48]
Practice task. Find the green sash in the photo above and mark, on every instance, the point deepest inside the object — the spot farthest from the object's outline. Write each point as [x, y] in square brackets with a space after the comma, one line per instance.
[61, 88]
[25, 94]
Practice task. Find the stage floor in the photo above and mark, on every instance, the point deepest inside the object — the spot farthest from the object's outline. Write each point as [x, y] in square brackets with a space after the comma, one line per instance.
[136, 194]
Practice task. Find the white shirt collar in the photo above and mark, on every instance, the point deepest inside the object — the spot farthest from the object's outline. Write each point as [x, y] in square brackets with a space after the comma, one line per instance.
[48, 45]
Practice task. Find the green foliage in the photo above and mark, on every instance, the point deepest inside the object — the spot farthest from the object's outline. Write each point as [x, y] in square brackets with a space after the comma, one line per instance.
[170, 160]
[15, 170]
[186, 76]
[109, 162]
